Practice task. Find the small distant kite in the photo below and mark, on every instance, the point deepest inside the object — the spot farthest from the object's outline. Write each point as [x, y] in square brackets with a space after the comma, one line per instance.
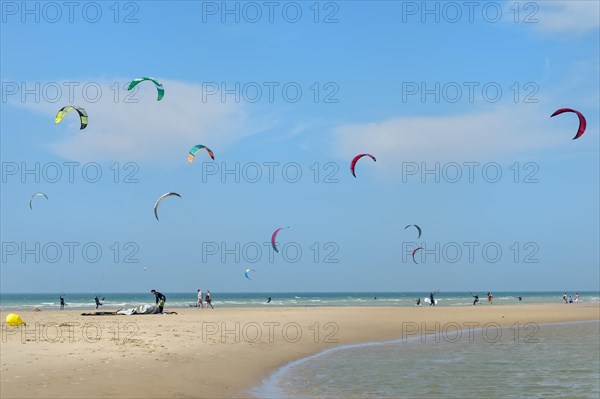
[274, 236]
[582, 121]
[418, 228]
[145, 268]
[36, 195]
[195, 150]
[162, 197]
[159, 87]
[65, 110]
[246, 273]
[355, 160]
[413, 254]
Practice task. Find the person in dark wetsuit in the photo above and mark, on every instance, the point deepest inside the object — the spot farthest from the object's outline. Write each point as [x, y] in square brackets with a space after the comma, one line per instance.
[476, 301]
[432, 301]
[160, 300]
[418, 301]
[269, 300]
[97, 300]
[62, 302]
[208, 300]
[520, 298]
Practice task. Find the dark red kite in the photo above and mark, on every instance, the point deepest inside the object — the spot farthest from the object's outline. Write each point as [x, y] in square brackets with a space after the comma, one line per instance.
[582, 122]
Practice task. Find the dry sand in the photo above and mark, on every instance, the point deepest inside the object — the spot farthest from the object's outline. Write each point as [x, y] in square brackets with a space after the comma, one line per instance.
[212, 353]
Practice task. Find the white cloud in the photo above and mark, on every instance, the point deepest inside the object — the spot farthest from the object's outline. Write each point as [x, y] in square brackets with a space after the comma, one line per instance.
[565, 17]
[162, 131]
[500, 134]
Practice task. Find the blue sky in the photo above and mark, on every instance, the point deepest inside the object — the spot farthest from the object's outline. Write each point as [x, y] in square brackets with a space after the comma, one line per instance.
[492, 85]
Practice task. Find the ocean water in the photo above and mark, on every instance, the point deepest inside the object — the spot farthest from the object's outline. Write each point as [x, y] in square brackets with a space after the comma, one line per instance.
[183, 300]
[548, 361]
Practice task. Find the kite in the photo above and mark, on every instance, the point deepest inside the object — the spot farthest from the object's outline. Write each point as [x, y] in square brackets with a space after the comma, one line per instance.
[274, 236]
[246, 273]
[413, 254]
[160, 199]
[356, 158]
[65, 110]
[36, 195]
[195, 150]
[418, 228]
[582, 122]
[159, 87]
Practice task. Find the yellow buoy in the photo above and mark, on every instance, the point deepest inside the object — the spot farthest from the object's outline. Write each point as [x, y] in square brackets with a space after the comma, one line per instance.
[14, 320]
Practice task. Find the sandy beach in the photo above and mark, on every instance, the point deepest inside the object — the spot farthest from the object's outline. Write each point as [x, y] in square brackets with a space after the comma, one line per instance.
[215, 353]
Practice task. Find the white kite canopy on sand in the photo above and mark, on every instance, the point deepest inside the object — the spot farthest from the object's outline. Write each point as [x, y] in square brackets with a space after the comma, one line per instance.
[141, 309]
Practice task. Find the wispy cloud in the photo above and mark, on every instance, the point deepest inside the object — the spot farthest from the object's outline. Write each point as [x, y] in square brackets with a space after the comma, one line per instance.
[566, 17]
[499, 134]
[148, 130]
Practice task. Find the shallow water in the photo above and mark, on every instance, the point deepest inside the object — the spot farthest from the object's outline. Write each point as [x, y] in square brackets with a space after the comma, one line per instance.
[545, 361]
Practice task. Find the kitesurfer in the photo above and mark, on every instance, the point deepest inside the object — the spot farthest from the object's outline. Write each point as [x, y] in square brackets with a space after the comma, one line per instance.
[62, 302]
[476, 301]
[97, 300]
[160, 300]
[432, 301]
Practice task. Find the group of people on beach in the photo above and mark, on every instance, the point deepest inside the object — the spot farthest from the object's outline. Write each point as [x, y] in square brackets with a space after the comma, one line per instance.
[490, 298]
[570, 298]
[432, 300]
[160, 300]
[207, 298]
[63, 304]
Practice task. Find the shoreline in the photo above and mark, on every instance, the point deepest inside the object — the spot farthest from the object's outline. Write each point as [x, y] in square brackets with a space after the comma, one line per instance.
[226, 352]
[83, 301]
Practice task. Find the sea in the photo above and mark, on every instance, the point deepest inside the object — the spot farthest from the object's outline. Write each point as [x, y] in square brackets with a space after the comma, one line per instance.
[111, 301]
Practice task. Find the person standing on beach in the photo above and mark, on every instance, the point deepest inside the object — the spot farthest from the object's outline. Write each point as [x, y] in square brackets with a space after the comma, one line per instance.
[208, 300]
[431, 300]
[570, 299]
[97, 300]
[476, 301]
[62, 302]
[160, 300]
[576, 297]
[490, 298]
[565, 297]
[200, 303]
